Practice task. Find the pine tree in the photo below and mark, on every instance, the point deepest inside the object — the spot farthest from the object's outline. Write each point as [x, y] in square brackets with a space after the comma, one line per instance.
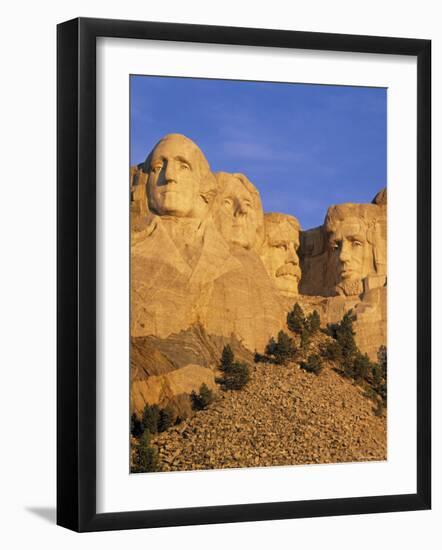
[227, 358]
[236, 377]
[285, 348]
[166, 419]
[331, 329]
[345, 336]
[376, 373]
[151, 418]
[136, 426]
[355, 364]
[313, 322]
[146, 457]
[382, 360]
[259, 358]
[382, 385]
[361, 366]
[313, 364]
[271, 347]
[332, 351]
[347, 366]
[305, 340]
[296, 319]
[202, 399]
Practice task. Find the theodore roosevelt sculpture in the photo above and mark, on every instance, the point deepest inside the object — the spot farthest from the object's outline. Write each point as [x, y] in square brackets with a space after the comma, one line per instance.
[279, 252]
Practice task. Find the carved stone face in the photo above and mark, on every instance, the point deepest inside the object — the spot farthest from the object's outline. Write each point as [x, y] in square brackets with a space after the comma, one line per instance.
[280, 253]
[350, 254]
[238, 215]
[174, 178]
[356, 245]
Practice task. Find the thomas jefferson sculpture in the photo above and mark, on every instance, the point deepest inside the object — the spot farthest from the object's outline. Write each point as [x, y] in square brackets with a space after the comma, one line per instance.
[238, 212]
[243, 301]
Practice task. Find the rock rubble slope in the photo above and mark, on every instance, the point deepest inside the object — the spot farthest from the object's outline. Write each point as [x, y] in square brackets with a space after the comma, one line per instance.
[284, 416]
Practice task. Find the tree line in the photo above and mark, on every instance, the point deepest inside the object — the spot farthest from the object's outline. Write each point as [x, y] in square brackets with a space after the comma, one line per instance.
[343, 351]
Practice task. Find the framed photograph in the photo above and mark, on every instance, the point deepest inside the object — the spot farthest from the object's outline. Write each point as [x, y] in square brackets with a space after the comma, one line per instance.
[232, 276]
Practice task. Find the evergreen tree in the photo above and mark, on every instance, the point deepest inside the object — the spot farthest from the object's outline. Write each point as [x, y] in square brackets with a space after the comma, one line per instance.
[313, 364]
[356, 365]
[136, 426]
[146, 457]
[361, 366]
[305, 340]
[376, 373]
[382, 385]
[296, 319]
[347, 366]
[202, 399]
[259, 358]
[279, 351]
[345, 336]
[151, 418]
[332, 351]
[313, 322]
[227, 358]
[271, 347]
[236, 377]
[382, 360]
[382, 391]
[166, 419]
[331, 329]
[285, 348]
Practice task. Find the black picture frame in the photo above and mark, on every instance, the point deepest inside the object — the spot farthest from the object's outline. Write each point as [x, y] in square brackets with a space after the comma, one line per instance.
[76, 274]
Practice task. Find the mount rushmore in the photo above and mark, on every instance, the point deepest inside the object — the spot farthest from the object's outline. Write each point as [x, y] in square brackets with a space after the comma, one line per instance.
[209, 267]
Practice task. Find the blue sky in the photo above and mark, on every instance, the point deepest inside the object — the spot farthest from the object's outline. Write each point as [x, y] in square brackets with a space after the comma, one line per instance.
[304, 146]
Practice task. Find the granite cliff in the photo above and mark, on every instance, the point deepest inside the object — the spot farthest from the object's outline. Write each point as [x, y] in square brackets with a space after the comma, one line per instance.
[209, 267]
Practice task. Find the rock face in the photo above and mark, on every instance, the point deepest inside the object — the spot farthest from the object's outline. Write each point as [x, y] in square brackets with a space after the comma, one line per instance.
[356, 237]
[198, 262]
[238, 212]
[381, 197]
[208, 267]
[346, 259]
[167, 370]
[350, 248]
[242, 301]
[279, 252]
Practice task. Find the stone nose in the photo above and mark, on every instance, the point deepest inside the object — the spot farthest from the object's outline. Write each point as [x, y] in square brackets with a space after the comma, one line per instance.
[292, 255]
[170, 172]
[345, 253]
